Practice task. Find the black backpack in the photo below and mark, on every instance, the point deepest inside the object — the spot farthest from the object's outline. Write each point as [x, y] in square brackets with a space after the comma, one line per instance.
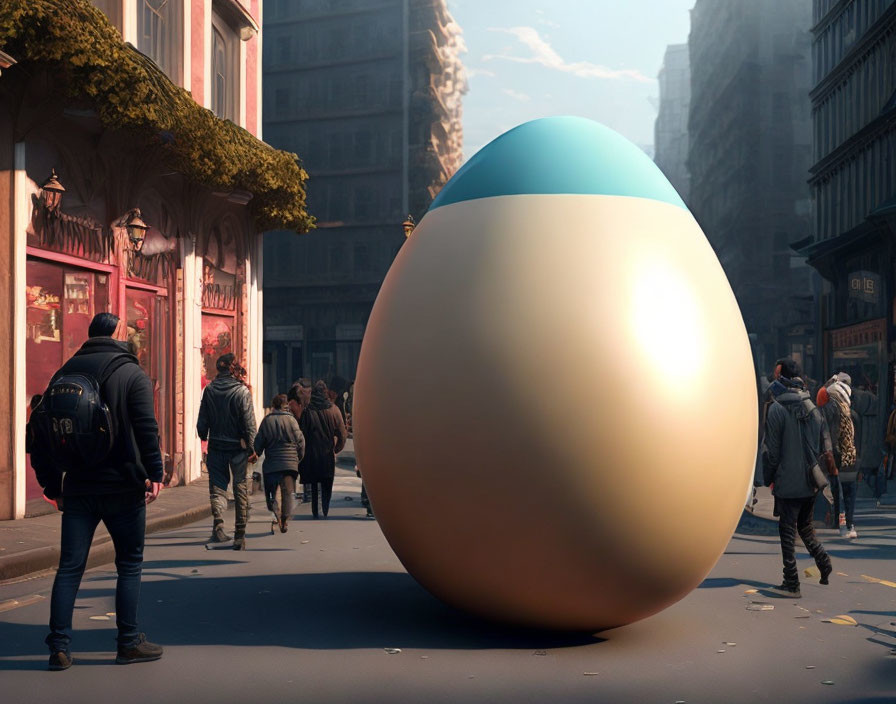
[72, 421]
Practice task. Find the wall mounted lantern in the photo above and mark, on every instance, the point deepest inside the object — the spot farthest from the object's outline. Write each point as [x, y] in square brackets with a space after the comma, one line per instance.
[51, 191]
[136, 229]
[408, 226]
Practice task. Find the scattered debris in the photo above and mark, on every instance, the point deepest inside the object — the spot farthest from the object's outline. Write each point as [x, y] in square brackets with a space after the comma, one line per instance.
[827, 681]
[760, 606]
[721, 651]
[110, 613]
[728, 643]
[751, 591]
[810, 667]
[424, 657]
[99, 618]
[875, 580]
[590, 674]
[305, 542]
[812, 572]
[540, 652]
[842, 574]
[841, 620]
[392, 651]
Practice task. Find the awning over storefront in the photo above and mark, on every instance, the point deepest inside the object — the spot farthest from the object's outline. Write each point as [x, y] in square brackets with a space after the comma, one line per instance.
[74, 44]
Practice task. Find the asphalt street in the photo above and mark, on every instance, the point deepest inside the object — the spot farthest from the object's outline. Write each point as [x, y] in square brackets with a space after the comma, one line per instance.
[317, 615]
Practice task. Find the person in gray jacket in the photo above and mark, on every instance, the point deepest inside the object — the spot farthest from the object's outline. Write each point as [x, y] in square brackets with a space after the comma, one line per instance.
[283, 445]
[227, 421]
[796, 436]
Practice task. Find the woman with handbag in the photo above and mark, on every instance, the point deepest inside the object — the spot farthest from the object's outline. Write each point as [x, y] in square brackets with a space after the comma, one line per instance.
[842, 419]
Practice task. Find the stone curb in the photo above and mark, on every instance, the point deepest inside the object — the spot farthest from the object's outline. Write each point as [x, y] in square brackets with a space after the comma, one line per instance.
[102, 551]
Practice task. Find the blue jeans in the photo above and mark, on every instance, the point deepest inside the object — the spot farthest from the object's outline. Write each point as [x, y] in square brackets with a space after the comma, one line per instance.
[124, 516]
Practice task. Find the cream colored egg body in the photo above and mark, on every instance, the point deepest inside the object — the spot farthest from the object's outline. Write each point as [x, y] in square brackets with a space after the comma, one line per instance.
[555, 409]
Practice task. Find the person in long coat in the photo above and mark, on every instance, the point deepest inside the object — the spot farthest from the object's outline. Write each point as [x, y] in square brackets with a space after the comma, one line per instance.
[325, 436]
[281, 439]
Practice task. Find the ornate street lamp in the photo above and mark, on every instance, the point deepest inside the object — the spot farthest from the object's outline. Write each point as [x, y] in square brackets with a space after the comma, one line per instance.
[136, 229]
[408, 226]
[51, 191]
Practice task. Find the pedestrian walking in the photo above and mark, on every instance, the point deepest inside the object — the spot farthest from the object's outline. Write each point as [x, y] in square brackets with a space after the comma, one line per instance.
[325, 437]
[299, 396]
[99, 480]
[796, 437]
[842, 419]
[283, 445]
[227, 421]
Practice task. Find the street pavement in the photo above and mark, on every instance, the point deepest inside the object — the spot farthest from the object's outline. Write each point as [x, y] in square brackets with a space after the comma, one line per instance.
[311, 616]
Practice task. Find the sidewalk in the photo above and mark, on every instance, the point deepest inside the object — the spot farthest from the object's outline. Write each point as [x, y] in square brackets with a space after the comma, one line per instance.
[759, 519]
[30, 545]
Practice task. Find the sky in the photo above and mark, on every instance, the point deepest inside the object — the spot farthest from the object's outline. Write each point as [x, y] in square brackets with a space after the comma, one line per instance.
[593, 58]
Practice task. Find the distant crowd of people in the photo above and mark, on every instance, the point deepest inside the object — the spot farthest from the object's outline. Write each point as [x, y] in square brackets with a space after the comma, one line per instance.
[93, 439]
[810, 447]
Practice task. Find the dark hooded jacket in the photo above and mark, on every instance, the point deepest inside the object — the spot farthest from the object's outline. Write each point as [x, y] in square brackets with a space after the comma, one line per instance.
[135, 455]
[791, 418]
[325, 436]
[226, 417]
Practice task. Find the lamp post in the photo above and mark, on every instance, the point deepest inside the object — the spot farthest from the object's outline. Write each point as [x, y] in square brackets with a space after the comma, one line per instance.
[136, 229]
[51, 191]
[408, 226]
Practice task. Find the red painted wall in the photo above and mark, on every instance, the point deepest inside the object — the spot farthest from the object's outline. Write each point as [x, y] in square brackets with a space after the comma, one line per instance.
[252, 75]
[197, 51]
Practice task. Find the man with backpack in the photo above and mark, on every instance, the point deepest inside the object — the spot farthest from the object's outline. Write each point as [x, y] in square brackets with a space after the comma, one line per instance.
[227, 421]
[95, 451]
[796, 439]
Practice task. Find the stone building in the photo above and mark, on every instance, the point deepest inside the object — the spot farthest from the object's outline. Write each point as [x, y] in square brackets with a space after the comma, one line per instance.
[853, 182]
[671, 127]
[132, 181]
[750, 150]
[370, 95]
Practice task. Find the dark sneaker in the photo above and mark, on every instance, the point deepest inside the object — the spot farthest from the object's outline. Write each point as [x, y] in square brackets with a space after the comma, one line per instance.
[218, 535]
[787, 591]
[60, 661]
[239, 543]
[825, 573]
[141, 651]
[284, 525]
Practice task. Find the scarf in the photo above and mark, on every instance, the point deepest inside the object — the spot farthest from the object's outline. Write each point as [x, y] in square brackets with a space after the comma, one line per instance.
[846, 437]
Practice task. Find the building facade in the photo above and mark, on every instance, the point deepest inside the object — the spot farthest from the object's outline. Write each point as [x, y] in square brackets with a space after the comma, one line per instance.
[671, 127]
[369, 93]
[853, 180]
[750, 148]
[111, 199]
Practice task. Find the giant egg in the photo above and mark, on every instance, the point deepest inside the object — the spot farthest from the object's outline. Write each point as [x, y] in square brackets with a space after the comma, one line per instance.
[555, 411]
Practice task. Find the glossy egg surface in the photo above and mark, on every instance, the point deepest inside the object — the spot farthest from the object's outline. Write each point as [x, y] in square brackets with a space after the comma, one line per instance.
[555, 409]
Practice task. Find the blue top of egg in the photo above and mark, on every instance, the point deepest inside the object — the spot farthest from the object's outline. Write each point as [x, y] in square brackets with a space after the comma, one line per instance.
[559, 155]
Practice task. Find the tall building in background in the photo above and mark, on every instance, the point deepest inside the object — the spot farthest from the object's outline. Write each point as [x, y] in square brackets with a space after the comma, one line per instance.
[750, 151]
[853, 180]
[671, 127]
[369, 94]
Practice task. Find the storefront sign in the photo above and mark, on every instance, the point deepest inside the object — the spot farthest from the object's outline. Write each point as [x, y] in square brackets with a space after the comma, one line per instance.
[866, 333]
[349, 332]
[865, 285]
[287, 333]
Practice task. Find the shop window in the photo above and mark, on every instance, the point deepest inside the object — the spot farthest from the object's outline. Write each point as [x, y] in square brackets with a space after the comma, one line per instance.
[217, 339]
[159, 34]
[60, 303]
